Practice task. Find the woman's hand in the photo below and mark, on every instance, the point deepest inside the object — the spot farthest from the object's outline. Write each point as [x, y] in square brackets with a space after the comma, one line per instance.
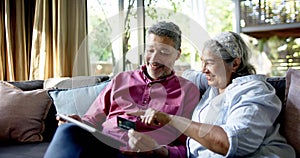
[62, 121]
[152, 117]
[155, 117]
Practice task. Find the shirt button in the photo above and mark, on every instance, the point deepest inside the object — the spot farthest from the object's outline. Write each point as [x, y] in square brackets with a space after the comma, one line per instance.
[145, 101]
[149, 85]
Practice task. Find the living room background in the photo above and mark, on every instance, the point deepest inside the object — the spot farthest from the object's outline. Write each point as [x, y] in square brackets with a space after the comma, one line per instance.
[45, 39]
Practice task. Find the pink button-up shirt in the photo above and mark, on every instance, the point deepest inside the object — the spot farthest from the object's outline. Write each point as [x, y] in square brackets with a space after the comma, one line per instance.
[132, 91]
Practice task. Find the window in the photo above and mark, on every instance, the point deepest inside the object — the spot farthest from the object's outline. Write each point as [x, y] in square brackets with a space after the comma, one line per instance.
[116, 44]
[99, 35]
[106, 27]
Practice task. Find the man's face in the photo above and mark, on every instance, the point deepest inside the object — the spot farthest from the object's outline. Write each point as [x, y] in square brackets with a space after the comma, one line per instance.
[160, 56]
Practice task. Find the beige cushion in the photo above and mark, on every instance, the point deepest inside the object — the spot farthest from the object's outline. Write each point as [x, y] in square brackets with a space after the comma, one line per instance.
[52, 82]
[292, 109]
[22, 113]
[74, 82]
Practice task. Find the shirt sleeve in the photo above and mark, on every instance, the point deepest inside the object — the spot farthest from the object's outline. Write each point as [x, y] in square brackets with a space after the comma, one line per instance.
[198, 78]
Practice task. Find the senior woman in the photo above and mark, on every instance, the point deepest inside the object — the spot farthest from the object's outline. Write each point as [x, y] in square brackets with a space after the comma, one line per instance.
[236, 115]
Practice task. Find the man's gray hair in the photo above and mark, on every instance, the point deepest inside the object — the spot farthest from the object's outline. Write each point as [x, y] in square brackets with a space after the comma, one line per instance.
[168, 29]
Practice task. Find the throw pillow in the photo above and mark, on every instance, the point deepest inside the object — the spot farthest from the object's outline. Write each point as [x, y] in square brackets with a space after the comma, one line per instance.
[22, 113]
[75, 100]
[292, 109]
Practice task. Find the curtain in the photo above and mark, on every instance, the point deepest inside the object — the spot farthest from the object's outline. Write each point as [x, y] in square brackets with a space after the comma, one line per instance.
[42, 39]
[2, 41]
[58, 34]
[13, 46]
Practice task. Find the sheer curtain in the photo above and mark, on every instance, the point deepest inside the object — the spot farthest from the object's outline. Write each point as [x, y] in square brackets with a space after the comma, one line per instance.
[42, 39]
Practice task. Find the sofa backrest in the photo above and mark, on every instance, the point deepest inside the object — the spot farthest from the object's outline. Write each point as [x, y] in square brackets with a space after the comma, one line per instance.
[288, 90]
[28, 85]
[279, 83]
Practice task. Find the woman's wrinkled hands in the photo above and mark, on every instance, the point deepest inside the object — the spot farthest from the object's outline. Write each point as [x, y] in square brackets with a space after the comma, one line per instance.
[62, 121]
[152, 116]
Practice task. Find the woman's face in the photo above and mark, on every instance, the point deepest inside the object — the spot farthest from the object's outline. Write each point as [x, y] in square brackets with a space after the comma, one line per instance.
[218, 73]
[160, 56]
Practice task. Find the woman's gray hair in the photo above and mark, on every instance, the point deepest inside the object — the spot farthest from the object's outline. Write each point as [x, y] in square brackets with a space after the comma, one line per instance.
[230, 45]
[168, 29]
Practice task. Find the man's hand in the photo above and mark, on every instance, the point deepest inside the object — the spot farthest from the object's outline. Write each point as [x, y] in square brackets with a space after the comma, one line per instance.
[62, 121]
[141, 142]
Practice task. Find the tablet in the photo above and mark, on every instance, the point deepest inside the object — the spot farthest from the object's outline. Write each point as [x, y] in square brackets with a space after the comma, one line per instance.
[105, 138]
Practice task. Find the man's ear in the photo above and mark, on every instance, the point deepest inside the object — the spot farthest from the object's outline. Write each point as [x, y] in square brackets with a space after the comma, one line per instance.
[178, 53]
[236, 64]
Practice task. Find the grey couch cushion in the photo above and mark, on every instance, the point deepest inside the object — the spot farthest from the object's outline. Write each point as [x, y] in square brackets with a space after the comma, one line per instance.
[27, 150]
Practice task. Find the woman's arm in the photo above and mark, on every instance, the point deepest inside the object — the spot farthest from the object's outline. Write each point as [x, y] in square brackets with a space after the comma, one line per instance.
[212, 137]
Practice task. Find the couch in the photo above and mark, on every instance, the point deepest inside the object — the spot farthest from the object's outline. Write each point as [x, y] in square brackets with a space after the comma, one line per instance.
[16, 141]
[287, 89]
